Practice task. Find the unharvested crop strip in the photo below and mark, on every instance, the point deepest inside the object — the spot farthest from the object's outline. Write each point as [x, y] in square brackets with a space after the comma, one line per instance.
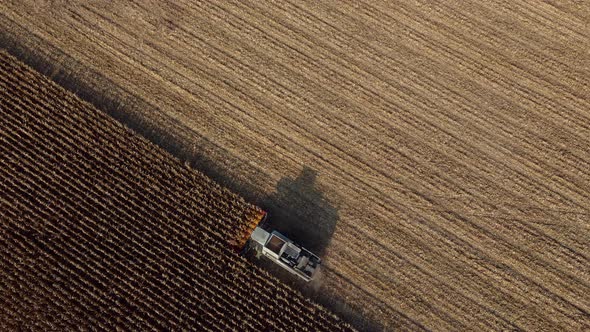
[227, 208]
[108, 217]
[186, 285]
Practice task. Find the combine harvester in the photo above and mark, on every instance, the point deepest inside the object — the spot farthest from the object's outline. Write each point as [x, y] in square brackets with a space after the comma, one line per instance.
[284, 252]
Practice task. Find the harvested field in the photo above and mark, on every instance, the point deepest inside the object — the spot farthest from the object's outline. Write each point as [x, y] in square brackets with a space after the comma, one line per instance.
[100, 228]
[437, 154]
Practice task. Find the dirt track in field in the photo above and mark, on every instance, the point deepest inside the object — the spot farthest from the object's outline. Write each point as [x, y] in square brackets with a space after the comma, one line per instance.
[441, 150]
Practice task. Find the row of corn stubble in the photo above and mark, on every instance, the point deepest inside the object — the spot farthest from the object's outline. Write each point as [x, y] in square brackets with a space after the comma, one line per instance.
[100, 228]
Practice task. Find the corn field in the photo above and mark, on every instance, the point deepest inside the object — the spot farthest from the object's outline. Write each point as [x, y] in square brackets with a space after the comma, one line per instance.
[102, 229]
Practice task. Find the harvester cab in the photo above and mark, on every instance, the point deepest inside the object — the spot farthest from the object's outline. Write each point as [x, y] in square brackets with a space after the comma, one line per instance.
[286, 253]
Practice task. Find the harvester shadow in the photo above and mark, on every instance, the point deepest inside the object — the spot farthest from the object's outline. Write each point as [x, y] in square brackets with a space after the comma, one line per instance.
[299, 210]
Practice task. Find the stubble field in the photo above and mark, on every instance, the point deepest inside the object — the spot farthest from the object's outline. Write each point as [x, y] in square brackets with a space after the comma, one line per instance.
[436, 155]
